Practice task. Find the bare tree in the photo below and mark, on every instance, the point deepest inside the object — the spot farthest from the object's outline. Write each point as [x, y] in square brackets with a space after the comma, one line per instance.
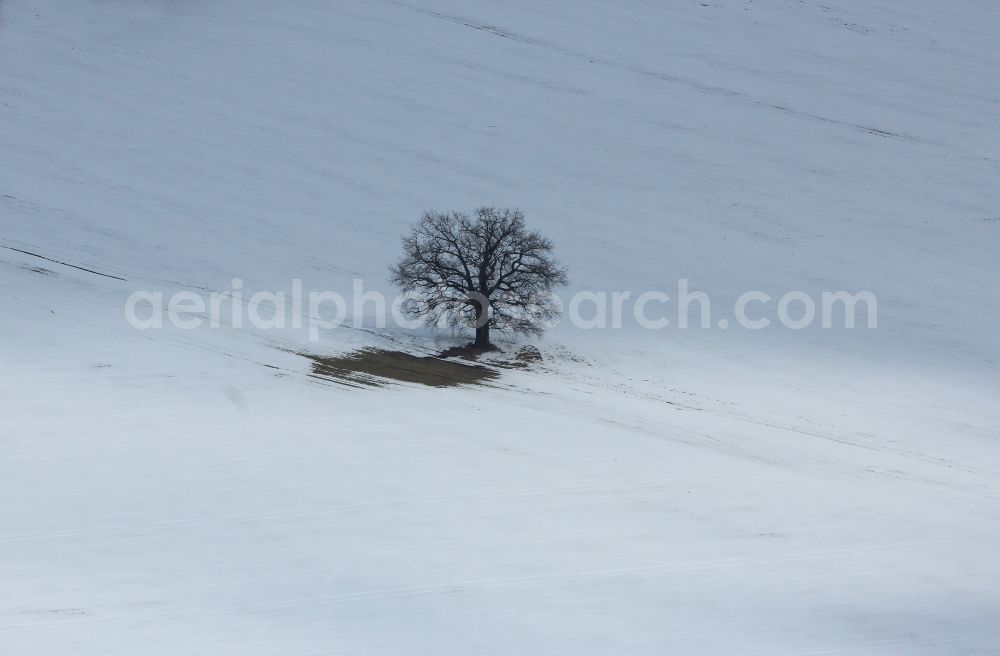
[486, 271]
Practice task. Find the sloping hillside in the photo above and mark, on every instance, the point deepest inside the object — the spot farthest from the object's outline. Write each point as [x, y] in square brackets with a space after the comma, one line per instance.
[702, 490]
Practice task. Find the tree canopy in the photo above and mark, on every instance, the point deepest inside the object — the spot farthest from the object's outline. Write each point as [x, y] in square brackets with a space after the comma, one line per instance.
[486, 270]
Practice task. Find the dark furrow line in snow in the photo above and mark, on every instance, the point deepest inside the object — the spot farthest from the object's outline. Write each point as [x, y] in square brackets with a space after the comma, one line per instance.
[72, 266]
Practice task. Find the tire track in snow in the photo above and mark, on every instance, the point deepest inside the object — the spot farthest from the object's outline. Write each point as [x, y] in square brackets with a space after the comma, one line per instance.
[644, 72]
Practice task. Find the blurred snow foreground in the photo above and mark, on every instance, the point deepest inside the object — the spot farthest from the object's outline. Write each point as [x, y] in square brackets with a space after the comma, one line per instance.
[633, 491]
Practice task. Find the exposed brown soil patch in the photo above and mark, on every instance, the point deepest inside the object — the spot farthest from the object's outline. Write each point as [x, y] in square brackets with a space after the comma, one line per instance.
[378, 367]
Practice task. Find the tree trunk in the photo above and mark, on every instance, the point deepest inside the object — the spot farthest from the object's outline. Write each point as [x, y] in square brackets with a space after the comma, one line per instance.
[482, 336]
[482, 309]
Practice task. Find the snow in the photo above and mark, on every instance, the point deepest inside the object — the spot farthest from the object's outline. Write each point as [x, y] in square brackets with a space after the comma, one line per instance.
[824, 491]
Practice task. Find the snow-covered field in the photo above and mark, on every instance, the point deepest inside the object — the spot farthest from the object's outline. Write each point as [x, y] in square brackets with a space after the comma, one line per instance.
[699, 491]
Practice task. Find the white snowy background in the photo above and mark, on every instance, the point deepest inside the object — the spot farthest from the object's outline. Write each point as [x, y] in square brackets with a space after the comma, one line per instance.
[699, 491]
